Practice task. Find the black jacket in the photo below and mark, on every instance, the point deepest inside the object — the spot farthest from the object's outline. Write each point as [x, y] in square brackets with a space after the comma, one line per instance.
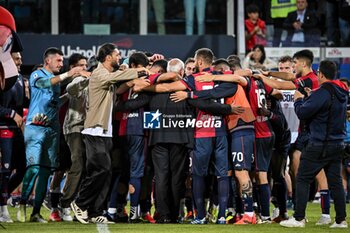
[11, 102]
[309, 26]
[315, 110]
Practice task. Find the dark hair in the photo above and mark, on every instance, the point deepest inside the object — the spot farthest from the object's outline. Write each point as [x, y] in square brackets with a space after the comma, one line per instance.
[305, 54]
[189, 60]
[234, 61]
[52, 51]
[138, 58]
[104, 51]
[205, 54]
[75, 58]
[284, 59]
[262, 49]
[252, 8]
[220, 61]
[162, 63]
[148, 54]
[328, 69]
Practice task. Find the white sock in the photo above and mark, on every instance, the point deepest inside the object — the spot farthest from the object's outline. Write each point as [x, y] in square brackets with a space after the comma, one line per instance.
[112, 210]
[4, 210]
[326, 215]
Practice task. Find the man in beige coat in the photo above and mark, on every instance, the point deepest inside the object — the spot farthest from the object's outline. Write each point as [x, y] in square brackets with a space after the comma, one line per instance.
[98, 134]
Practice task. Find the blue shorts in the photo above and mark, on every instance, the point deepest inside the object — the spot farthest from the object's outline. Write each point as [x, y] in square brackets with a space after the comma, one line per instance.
[203, 149]
[136, 152]
[41, 146]
[263, 153]
[242, 149]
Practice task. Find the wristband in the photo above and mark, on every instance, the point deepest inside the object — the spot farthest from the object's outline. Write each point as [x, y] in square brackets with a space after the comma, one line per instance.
[63, 76]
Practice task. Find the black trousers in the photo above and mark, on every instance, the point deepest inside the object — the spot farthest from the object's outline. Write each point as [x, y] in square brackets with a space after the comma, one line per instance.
[95, 186]
[311, 162]
[169, 162]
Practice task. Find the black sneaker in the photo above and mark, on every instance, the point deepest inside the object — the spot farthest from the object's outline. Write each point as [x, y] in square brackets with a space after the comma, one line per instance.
[110, 217]
[163, 220]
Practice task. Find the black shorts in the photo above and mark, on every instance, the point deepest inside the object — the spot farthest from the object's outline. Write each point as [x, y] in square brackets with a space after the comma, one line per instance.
[301, 141]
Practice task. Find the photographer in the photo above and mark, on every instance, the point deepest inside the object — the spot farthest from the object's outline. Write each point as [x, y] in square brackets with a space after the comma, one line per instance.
[325, 110]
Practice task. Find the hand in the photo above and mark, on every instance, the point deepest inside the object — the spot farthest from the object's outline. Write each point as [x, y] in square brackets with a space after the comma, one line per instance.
[259, 76]
[40, 119]
[205, 78]
[85, 73]
[178, 96]
[19, 120]
[237, 109]
[308, 91]
[266, 73]
[123, 67]
[75, 71]
[139, 84]
[297, 25]
[298, 95]
[156, 57]
[256, 29]
[250, 54]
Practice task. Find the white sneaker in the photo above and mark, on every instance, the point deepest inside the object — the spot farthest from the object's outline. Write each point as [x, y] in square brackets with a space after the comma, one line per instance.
[343, 224]
[21, 213]
[66, 215]
[81, 215]
[292, 222]
[6, 218]
[324, 220]
[100, 219]
[275, 213]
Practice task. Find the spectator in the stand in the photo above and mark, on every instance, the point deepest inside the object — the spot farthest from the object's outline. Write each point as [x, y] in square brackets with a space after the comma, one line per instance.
[344, 22]
[279, 12]
[256, 59]
[200, 12]
[255, 28]
[332, 24]
[159, 10]
[302, 26]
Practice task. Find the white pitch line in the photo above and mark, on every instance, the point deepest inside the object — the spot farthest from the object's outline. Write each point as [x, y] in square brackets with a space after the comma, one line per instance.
[102, 228]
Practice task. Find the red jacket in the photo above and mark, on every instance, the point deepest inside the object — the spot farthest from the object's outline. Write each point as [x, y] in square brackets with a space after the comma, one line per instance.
[249, 26]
